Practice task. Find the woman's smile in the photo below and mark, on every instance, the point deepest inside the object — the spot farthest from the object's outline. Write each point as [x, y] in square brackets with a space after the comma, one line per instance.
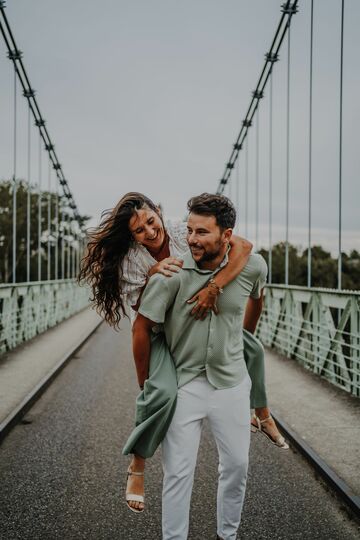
[154, 237]
[147, 229]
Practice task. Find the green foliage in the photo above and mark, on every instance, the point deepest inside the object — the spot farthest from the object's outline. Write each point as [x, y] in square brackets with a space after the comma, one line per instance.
[324, 267]
[48, 235]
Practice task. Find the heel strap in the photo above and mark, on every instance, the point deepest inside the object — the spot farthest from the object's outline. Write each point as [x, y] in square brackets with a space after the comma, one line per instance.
[134, 473]
[265, 419]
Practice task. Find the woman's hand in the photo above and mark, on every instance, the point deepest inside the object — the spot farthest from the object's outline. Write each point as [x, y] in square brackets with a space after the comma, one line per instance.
[166, 267]
[206, 299]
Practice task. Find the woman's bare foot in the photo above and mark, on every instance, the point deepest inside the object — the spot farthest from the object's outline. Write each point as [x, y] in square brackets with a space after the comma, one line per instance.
[268, 427]
[135, 483]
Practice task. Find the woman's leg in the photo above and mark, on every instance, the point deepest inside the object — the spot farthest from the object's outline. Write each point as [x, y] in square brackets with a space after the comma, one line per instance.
[155, 406]
[135, 483]
[255, 362]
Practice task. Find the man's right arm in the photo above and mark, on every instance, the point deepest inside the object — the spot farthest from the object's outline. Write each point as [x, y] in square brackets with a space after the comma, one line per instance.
[141, 331]
[158, 295]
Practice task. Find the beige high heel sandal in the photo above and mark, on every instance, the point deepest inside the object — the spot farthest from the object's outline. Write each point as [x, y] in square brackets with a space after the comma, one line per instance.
[133, 496]
[279, 441]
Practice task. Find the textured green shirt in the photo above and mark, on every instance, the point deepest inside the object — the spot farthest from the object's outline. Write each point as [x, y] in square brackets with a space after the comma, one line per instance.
[214, 346]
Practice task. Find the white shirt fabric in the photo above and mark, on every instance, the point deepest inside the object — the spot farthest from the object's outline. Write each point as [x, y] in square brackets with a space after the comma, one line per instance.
[138, 261]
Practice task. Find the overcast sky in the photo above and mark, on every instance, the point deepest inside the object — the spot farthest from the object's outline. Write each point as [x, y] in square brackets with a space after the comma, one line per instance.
[149, 95]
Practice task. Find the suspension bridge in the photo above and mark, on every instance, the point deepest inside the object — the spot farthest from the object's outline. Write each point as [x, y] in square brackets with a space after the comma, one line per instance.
[61, 469]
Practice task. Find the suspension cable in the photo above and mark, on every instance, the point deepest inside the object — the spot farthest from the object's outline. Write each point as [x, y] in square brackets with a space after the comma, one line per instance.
[68, 247]
[340, 145]
[28, 201]
[270, 175]
[49, 223]
[257, 184]
[287, 164]
[14, 182]
[246, 185]
[15, 55]
[288, 10]
[310, 143]
[39, 209]
[62, 222]
[57, 228]
[237, 194]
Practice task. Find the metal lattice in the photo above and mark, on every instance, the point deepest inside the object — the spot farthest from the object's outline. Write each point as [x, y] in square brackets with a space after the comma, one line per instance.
[320, 328]
[27, 309]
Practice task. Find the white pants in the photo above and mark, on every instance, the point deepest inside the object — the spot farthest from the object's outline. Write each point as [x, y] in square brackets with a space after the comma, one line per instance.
[228, 412]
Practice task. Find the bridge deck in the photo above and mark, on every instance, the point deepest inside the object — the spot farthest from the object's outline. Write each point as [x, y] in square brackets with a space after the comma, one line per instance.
[63, 476]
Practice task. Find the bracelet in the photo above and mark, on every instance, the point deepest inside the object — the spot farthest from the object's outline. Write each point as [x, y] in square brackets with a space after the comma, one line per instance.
[212, 283]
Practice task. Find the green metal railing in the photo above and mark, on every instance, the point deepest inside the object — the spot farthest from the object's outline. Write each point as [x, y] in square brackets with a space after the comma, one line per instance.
[320, 328]
[27, 309]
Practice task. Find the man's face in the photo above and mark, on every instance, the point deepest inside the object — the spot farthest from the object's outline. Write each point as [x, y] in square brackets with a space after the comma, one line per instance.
[205, 238]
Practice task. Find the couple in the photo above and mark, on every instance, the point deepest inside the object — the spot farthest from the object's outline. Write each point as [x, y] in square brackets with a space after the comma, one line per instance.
[221, 276]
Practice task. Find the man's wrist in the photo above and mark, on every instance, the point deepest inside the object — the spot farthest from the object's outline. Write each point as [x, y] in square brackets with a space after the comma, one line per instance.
[214, 287]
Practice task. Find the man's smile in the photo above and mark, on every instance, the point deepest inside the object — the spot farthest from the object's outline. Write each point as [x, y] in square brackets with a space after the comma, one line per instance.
[196, 249]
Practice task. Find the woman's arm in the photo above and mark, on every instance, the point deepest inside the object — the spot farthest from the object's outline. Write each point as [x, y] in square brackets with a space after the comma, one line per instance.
[166, 267]
[207, 297]
[238, 258]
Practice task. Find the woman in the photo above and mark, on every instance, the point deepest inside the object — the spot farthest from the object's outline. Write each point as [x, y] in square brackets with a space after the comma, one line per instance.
[131, 244]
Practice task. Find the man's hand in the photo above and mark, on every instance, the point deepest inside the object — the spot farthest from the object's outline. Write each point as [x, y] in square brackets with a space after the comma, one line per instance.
[166, 267]
[206, 299]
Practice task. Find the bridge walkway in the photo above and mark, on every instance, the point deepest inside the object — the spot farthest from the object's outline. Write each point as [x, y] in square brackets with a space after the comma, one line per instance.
[63, 475]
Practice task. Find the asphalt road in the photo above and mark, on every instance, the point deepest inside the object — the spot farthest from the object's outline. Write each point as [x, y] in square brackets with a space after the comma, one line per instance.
[62, 475]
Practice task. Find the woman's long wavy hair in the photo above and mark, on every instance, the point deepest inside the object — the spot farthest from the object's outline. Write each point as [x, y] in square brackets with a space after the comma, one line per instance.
[107, 246]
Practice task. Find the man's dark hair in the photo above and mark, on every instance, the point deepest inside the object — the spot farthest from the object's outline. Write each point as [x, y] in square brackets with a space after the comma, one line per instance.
[218, 206]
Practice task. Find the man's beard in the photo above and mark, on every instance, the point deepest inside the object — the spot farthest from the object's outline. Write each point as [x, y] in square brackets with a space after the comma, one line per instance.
[209, 256]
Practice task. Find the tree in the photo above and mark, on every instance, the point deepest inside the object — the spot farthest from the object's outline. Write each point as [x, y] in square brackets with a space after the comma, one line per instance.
[49, 238]
[324, 268]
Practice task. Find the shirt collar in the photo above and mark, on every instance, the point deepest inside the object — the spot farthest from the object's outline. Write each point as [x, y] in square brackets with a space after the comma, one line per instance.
[190, 264]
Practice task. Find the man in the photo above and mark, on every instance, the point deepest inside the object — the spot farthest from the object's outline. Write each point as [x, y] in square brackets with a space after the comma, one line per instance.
[212, 378]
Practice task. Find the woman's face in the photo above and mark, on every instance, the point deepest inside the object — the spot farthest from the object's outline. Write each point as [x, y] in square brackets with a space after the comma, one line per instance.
[147, 229]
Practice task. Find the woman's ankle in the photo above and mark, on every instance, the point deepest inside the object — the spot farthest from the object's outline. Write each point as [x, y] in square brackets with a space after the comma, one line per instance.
[262, 413]
[137, 463]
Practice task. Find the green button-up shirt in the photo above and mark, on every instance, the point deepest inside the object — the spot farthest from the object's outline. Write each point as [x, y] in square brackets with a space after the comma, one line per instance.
[214, 346]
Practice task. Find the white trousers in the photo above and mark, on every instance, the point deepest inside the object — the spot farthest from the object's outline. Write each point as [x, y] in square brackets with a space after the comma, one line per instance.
[228, 412]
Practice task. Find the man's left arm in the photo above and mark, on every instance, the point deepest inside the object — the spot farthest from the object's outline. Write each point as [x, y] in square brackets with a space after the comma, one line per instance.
[255, 302]
[252, 313]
